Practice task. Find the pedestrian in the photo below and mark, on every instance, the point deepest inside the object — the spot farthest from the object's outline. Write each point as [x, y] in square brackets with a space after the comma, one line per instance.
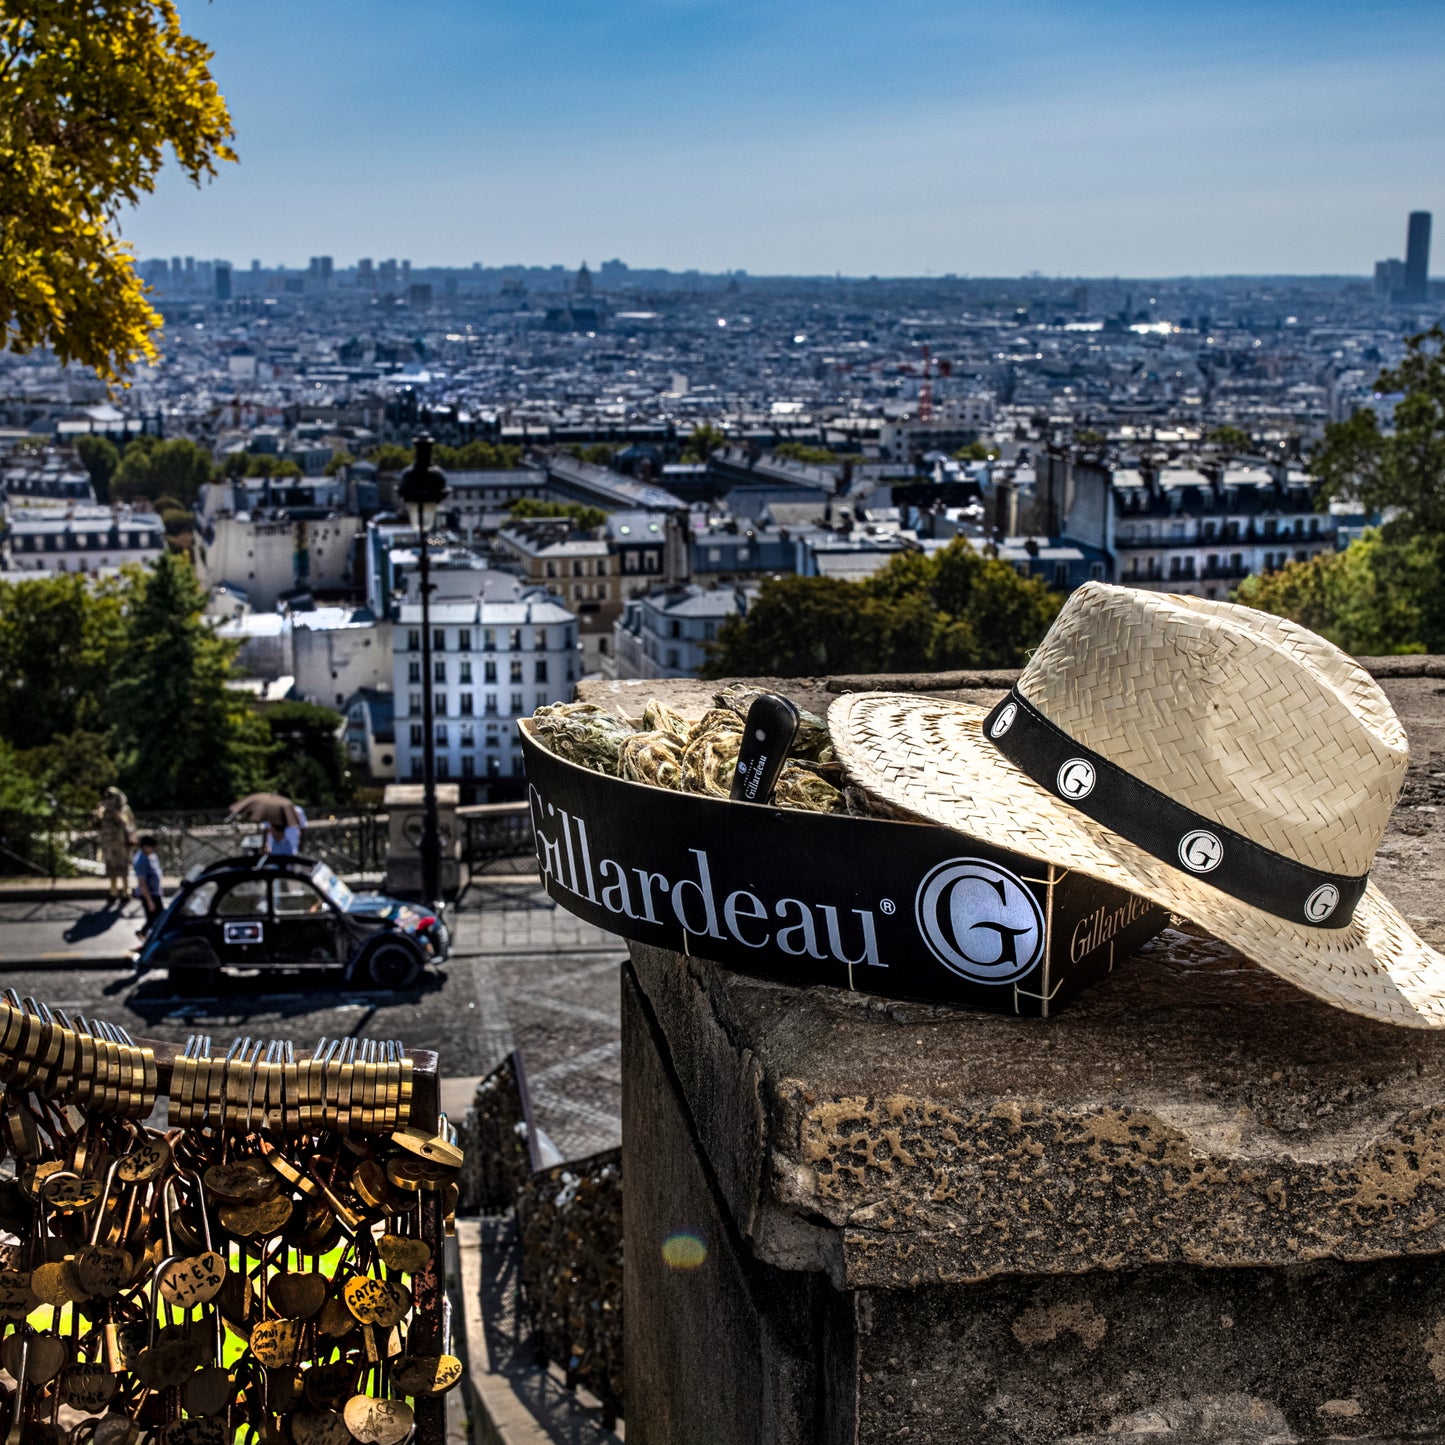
[285, 842]
[148, 882]
[116, 825]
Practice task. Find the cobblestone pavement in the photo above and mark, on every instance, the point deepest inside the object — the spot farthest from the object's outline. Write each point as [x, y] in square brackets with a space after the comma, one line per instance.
[524, 974]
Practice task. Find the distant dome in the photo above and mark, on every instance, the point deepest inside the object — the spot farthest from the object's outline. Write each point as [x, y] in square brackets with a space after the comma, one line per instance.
[583, 284]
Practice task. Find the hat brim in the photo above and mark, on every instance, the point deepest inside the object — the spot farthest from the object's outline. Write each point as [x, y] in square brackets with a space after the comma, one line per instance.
[930, 758]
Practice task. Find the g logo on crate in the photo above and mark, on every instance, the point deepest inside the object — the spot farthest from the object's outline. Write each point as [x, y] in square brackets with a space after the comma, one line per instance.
[1322, 902]
[1076, 779]
[1004, 721]
[1201, 852]
[979, 920]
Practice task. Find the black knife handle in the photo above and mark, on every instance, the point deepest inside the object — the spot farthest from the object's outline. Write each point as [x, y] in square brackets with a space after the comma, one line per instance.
[768, 733]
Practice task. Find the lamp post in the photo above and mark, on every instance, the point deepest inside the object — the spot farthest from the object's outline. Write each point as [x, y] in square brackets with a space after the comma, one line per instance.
[423, 487]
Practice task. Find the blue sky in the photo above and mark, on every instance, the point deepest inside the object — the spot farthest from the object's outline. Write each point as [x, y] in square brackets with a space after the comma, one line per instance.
[1093, 137]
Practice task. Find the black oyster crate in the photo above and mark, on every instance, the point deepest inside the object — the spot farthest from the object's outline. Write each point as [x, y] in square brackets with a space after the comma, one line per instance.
[908, 910]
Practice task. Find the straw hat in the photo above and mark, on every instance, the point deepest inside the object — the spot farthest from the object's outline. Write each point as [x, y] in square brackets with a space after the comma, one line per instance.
[1228, 764]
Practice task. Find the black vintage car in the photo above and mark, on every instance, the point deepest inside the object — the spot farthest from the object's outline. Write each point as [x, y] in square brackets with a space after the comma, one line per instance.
[288, 913]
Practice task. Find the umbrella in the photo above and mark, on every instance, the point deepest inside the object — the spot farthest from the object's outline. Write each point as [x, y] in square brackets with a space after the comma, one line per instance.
[273, 808]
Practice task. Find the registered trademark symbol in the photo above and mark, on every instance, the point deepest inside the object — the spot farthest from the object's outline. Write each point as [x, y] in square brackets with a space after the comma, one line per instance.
[888, 906]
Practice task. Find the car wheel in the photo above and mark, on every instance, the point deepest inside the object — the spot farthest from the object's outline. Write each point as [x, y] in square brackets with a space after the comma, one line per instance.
[393, 965]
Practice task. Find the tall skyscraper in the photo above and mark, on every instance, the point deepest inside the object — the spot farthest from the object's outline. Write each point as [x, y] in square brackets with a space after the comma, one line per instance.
[1417, 257]
[223, 281]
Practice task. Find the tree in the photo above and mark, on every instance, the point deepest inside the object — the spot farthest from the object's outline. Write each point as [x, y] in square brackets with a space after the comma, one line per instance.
[954, 610]
[1372, 599]
[474, 457]
[1404, 470]
[267, 464]
[338, 460]
[182, 738]
[152, 468]
[976, 451]
[704, 441]
[389, 457]
[585, 518]
[1229, 439]
[799, 452]
[74, 769]
[308, 761]
[100, 457]
[61, 644]
[92, 93]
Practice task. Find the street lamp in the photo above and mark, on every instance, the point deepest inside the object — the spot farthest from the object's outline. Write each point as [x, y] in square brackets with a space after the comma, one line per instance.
[423, 488]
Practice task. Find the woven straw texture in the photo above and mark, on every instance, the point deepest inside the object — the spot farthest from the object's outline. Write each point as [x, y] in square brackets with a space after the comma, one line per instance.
[1249, 720]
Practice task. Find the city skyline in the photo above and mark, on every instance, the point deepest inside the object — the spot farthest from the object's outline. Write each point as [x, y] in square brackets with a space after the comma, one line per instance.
[1096, 140]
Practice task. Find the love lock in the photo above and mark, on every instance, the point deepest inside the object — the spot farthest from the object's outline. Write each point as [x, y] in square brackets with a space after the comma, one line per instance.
[426, 1374]
[298, 1295]
[275, 1342]
[103, 1270]
[403, 1253]
[87, 1388]
[319, 1427]
[45, 1356]
[378, 1422]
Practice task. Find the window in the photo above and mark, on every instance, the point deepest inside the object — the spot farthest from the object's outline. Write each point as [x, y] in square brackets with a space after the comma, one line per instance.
[464, 702]
[441, 735]
[464, 673]
[294, 897]
[672, 657]
[489, 639]
[674, 628]
[469, 766]
[468, 736]
[439, 670]
[1096, 571]
[244, 899]
[413, 639]
[551, 569]
[514, 639]
[417, 737]
[491, 708]
[438, 639]
[541, 699]
[198, 904]
[413, 703]
[629, 560]
[517, 704]
[439, 703]
[493, 741]
[413, 671]
[541, 670]
[464, 640]
[576, 568]
[516, 671]
[444, 768]
[1061, 575]
[489, 672]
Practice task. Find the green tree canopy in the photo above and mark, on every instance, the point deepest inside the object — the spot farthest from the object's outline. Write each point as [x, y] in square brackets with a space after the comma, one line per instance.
[1402, 470]
[1229, 439]
[61, 642]
[389, 457]
[585, 518]
[704, 441]
[957, 609]
[100, 457]
[308, 762]
[1372, 599]
[182, 738]
[152, 468]
[92, 95]
[338, 460]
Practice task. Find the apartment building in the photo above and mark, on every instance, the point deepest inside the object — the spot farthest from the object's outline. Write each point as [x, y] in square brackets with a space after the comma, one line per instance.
[492, 663]
[80, 539]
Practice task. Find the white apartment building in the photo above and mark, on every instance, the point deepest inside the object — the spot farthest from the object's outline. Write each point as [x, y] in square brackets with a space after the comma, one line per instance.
[492, 663]
[336, 651]
[81, 539]
[265, 554]
[1178, 529]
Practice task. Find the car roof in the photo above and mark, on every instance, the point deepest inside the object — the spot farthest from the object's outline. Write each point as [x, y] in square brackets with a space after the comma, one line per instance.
[265, 863]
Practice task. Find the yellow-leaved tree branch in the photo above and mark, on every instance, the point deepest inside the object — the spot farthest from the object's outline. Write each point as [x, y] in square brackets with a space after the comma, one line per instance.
[92, 92]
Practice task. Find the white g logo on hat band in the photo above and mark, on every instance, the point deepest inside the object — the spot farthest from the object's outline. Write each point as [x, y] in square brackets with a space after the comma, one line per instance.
[1322, 902]
[1200, 852]
[1004, 721]
[1076, 778]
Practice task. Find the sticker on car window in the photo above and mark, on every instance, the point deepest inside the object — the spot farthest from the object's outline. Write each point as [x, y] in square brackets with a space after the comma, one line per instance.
[243, 932]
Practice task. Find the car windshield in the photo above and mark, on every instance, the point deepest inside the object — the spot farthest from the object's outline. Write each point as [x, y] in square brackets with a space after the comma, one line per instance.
[331, 886]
